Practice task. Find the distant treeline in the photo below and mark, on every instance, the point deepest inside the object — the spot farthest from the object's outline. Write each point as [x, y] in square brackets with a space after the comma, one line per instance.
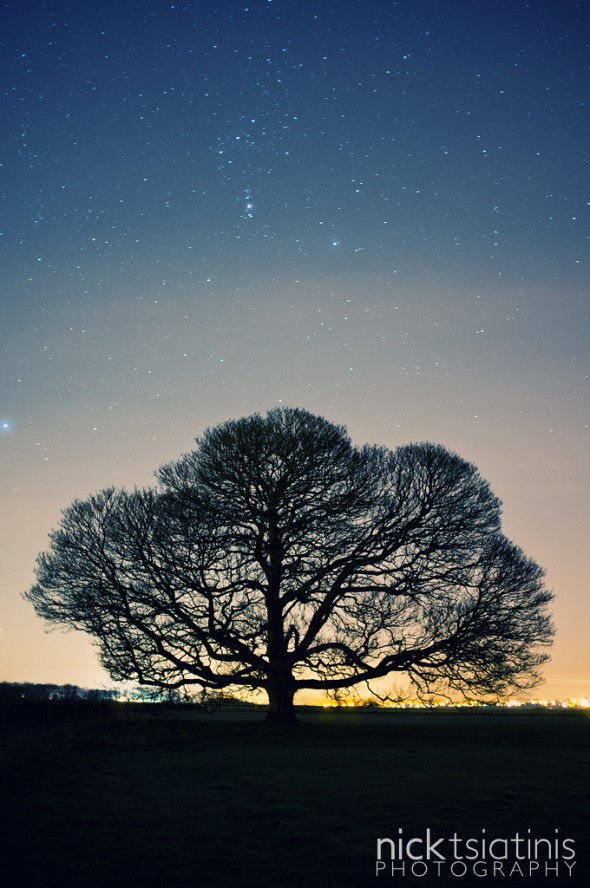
[28, 692]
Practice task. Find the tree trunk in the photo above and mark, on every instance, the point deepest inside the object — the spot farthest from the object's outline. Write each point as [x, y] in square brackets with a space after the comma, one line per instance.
[281, 691]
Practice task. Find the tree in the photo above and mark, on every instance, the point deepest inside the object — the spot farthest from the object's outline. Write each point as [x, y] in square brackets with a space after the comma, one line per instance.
[279, 556]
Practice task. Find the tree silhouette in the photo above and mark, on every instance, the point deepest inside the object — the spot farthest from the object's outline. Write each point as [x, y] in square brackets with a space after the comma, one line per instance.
[279, 556]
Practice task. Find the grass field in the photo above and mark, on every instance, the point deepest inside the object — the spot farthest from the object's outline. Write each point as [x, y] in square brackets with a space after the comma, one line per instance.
[226, 800]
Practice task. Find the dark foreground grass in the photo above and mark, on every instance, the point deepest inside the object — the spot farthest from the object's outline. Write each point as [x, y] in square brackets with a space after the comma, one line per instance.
[229, 801]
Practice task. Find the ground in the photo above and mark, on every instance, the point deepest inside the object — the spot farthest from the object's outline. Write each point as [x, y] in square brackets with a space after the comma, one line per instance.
[226, 800]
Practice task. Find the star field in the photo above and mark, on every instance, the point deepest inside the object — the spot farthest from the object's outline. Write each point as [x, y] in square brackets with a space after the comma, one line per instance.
[379, 212]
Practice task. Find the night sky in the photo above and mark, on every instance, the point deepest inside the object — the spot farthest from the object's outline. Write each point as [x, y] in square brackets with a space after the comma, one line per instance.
[376, 211]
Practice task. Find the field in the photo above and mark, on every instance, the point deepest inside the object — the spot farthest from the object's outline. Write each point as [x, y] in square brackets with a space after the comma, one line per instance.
[226, 800]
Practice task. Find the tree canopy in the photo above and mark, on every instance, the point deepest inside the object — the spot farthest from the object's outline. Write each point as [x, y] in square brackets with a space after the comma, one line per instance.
[279, 556]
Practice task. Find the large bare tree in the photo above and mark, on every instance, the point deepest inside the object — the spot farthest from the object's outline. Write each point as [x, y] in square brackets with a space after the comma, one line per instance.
[279, 556]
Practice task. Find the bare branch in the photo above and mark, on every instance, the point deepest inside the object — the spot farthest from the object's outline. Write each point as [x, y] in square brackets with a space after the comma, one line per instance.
[279, 556]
